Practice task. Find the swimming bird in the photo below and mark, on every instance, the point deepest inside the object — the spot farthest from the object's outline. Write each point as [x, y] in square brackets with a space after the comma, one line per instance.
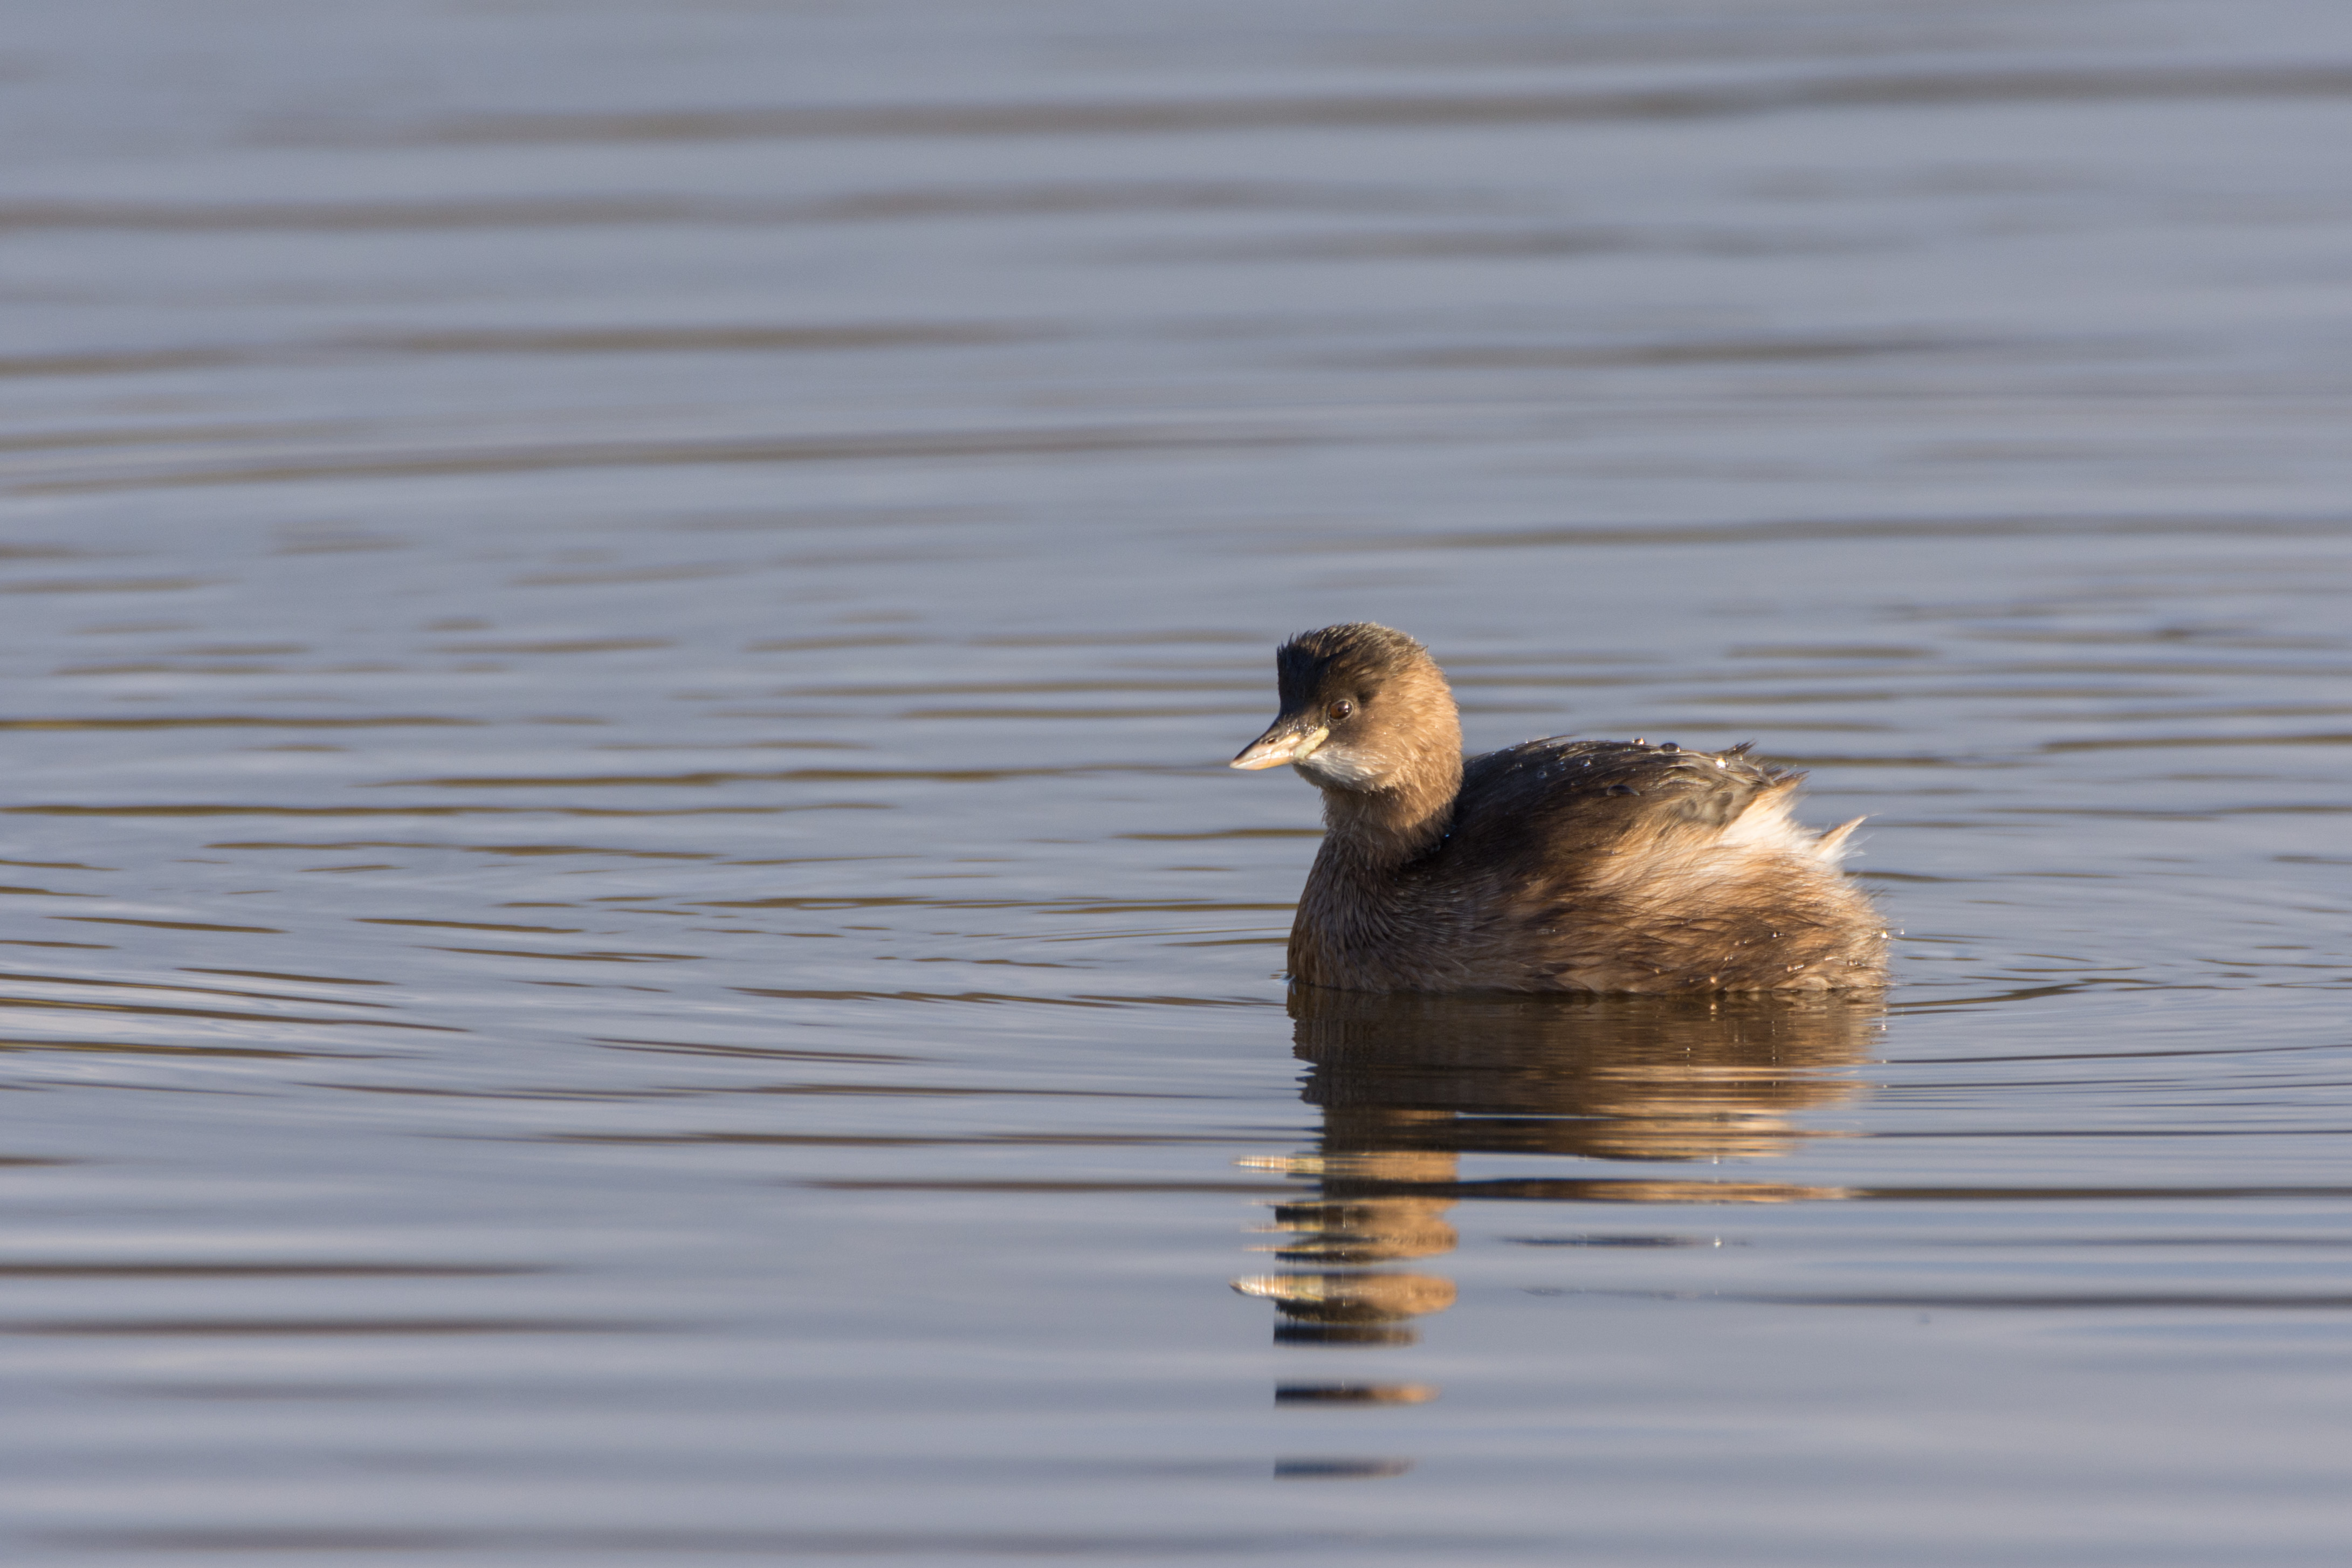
[1557, 865]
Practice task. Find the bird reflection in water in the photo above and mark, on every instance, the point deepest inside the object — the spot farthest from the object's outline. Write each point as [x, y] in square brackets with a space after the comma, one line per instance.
[1408, 1084]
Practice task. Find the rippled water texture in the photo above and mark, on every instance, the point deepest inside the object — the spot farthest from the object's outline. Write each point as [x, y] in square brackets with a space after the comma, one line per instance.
[627, 940]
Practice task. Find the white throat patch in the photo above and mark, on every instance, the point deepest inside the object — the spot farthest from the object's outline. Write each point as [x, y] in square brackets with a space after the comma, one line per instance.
[1334, 768]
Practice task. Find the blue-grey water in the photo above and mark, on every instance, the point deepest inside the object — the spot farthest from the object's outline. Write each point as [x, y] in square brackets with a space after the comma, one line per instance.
[627, 941]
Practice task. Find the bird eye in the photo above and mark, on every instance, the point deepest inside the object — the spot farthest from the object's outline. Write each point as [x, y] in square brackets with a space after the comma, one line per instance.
[1339, 710]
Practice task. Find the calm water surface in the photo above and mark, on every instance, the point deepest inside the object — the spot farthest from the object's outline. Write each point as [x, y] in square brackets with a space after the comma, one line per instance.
[626, 936]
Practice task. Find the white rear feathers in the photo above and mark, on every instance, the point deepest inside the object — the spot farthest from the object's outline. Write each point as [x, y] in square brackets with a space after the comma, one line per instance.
[1830, 847]
[1766, 827]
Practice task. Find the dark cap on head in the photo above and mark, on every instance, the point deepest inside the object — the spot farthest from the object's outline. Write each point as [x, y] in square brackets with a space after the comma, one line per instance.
[1355, 656]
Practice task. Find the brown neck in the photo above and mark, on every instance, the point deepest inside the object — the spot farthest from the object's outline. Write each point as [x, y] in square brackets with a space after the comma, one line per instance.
[1380, 830]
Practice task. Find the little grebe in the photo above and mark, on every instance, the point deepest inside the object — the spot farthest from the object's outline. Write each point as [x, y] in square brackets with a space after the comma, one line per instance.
[1559, 865]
